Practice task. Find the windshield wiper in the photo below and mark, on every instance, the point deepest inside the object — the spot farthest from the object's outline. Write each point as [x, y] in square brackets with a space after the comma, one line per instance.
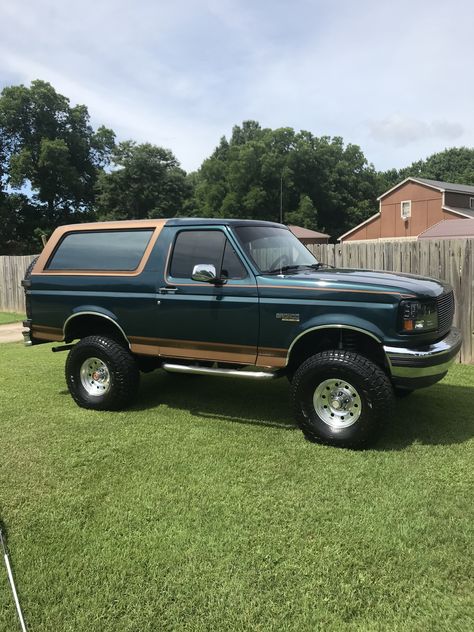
[289, 268]
[284, 269]
[321, 264]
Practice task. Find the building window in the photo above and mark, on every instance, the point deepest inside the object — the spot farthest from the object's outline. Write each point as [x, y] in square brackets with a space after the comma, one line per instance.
[406, 209]
[471, 203]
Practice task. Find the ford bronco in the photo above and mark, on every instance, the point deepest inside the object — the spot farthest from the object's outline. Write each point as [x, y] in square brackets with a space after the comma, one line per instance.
[241, 299]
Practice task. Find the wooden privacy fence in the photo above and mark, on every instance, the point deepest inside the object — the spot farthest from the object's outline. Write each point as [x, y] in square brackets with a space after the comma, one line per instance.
[450, 260]
[12, 271]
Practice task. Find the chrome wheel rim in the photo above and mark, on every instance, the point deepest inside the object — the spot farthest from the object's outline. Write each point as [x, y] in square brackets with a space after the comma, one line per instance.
[95, 377]
[337, 403]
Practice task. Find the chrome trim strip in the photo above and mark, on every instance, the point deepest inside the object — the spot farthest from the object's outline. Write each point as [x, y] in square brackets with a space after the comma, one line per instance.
[445, 351]
[427, 371]
[306, 331]
[94, 314]
[201, 370]
[445, 345]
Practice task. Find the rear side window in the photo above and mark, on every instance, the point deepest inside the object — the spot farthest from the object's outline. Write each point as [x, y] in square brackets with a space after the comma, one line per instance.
[108, 250]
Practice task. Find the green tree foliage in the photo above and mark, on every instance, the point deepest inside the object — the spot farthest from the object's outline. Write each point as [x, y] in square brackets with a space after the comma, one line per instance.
[451, 165]
[324, 184]
[50, 151]
[146, 181]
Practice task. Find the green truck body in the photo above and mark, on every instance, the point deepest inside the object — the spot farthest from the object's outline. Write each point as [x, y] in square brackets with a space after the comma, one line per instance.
[241, 299]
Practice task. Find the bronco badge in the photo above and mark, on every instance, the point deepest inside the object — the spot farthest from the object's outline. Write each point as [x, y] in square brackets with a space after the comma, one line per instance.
[290, 318]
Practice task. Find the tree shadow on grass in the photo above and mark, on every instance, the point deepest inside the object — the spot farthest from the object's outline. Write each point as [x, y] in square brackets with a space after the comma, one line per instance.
[440, 415]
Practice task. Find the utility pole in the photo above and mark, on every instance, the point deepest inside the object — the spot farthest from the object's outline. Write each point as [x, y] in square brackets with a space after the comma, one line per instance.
[281, 198]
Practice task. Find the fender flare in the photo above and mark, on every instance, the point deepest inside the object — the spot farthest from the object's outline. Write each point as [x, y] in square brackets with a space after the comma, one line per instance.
[109, 317]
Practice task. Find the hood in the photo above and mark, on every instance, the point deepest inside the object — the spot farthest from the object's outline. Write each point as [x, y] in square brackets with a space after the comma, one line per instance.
[347, 278]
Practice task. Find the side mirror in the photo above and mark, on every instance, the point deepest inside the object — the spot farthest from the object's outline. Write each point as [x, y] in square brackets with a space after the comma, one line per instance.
[205, 272]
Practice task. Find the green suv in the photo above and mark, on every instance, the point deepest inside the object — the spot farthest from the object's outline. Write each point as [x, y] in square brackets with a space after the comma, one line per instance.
[238, 299]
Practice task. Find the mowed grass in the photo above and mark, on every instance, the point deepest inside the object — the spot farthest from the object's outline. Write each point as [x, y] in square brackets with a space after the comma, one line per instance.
[203, 508]
[11, 317]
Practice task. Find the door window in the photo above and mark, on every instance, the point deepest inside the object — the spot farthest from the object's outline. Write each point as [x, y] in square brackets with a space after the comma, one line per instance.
[193, 247]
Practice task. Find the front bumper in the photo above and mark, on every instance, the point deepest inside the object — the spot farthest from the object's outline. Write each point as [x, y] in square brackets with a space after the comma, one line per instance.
[423, 366]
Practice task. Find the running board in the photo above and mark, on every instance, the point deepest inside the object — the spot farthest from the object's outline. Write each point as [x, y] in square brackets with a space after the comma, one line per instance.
[202, 370]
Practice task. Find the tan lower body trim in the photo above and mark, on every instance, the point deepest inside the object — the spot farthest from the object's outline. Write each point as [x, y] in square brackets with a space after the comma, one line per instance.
[51, 334]
[192, 350]
[268, 356]
[211, 351]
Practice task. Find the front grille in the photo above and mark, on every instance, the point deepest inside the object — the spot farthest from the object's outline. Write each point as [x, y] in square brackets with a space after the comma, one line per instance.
[445, 303]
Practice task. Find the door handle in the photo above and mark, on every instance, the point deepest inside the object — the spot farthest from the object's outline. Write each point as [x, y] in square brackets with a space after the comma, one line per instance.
[168, 290]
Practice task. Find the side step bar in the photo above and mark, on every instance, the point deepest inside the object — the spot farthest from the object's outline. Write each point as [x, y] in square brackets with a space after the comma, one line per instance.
[201, 370]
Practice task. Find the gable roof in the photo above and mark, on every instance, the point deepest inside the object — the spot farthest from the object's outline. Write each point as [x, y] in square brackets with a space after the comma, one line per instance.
[465, 212]
[449, 229]
[369, 219]
[439, 185]
[306, 233]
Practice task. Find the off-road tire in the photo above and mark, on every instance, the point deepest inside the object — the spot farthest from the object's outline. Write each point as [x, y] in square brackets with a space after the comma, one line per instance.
[122, 369]
[30, 268]
[25, 278]
[401, 393]
[369, 382]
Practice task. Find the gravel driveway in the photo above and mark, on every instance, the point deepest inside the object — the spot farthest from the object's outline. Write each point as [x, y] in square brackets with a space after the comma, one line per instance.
[11, 333]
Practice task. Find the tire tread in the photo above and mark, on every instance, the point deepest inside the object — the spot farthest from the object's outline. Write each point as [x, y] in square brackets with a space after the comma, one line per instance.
[380, 388]
[124, 368]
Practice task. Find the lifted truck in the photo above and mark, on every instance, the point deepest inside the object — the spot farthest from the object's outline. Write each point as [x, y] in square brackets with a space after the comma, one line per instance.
[242, 299]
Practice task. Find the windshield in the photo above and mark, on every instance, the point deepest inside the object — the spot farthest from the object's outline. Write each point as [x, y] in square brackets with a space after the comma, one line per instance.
[274, 249]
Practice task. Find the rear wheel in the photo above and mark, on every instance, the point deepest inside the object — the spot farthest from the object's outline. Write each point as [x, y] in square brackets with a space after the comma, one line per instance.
[341, 398]
[101, 374]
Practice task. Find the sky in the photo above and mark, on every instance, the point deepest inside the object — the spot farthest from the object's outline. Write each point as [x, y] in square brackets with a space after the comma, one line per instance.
[395, 78]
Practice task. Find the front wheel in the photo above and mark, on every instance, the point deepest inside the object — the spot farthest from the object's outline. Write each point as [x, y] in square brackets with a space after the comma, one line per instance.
[101, 374]
[341, 398]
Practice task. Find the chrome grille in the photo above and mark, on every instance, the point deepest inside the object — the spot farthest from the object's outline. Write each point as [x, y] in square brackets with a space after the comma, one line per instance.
[445, 303]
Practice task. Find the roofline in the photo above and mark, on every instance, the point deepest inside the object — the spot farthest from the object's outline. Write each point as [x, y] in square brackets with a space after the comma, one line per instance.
[423, 184]
[430, 227]
[317, 234]
[369, 219]
[410, 179]
[452, 210]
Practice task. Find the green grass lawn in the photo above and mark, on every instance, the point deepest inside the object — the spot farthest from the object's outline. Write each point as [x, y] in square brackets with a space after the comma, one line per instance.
[203, 508]
[11, 317]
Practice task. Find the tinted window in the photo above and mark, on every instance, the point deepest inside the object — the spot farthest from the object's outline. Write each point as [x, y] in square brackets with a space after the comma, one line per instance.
[272, 247]
[193, 247]
[232, 267]
[101, 250]
[196, 246]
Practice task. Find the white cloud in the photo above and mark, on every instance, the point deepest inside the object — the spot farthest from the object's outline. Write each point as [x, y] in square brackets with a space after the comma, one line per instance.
[402, 130]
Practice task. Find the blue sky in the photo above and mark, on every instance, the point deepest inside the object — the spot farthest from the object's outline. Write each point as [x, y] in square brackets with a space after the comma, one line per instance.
[394, 77]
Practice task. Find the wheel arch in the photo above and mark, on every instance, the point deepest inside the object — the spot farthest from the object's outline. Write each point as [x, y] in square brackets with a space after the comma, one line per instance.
[336, 336]
[90, 322]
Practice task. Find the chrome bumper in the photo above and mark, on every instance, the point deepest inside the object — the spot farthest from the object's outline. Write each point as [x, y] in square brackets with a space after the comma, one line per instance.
[430, 361]
[27, 333]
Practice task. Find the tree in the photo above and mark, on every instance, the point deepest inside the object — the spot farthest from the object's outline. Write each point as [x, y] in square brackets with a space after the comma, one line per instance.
[305, 215]
[451, 165]
[51, 149]
[244, 177]
[145, 181]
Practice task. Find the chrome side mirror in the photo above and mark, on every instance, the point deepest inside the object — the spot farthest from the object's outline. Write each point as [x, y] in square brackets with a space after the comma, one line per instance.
[205, 272]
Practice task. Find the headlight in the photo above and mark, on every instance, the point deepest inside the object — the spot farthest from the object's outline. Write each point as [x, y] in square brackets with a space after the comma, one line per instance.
[418, 316]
